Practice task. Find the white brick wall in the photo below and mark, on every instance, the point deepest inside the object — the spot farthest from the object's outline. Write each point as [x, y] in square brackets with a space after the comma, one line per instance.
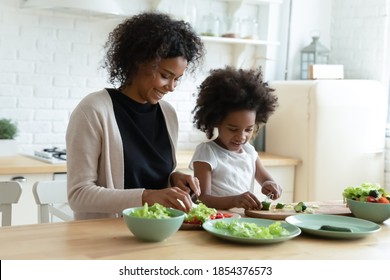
[49, 61]
[360, 36]
[46, 63]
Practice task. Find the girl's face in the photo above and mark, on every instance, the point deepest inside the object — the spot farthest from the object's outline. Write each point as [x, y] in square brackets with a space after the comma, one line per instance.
[236, 129]
[150, 84]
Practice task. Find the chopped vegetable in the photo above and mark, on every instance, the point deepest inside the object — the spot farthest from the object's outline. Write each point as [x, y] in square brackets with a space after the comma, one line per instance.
[199, 214]
[265, 205]
[300, 207]
[252, 230]
[220, 215]
[309, 210]
[280, 205]
[333, 228]
[374, 193]
[156, 211]
[366, 192]
[383, 200]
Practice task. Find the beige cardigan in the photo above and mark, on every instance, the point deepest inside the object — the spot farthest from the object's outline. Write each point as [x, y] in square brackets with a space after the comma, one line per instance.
[95, 163]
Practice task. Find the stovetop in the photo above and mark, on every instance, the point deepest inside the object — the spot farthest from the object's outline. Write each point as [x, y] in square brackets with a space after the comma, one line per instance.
[51, 155]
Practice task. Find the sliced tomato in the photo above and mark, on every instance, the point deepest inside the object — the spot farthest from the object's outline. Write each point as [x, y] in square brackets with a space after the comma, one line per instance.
[383, 200]
[223, 215]
[219, 216]
[370, 199]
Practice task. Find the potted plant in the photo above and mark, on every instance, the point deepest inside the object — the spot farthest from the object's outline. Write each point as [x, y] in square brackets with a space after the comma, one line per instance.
[8, 132]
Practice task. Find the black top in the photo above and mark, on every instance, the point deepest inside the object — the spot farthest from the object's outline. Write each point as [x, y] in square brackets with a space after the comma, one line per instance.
[147, 149]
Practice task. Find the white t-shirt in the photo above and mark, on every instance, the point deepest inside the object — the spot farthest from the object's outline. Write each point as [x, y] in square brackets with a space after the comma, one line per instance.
[232, 173]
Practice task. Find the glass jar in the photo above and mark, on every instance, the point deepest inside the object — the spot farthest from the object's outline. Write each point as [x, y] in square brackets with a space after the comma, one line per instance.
[249, 29]
[232, 26]
[210, 25]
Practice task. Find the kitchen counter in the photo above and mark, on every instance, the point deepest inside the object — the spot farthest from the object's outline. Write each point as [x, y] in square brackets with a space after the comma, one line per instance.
[21, 164]
[24, 164]
[110, 239]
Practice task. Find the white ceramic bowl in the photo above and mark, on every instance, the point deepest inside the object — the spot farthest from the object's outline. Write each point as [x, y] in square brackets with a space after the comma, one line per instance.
[371, 211]
[155, 230]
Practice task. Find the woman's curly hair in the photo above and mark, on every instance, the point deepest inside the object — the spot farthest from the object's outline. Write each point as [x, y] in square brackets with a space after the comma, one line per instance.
[149, 37]
[228, 90]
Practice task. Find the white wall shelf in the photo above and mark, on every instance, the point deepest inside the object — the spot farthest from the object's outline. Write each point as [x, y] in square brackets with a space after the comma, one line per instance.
[259, 50]
[239, 41]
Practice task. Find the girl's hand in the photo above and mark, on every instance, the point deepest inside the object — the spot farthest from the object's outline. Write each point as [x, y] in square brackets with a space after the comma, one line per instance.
[169, 197]
[271, 187]
[248, 201]
[185, 182]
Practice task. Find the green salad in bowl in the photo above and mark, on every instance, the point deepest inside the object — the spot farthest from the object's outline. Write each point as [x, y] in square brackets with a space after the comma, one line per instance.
[367, 192]
[153, 223]
[368, 201]
[156, 211]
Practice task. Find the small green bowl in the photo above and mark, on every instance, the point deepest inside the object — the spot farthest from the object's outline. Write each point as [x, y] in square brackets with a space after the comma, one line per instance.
[371, 211]
[153, 230]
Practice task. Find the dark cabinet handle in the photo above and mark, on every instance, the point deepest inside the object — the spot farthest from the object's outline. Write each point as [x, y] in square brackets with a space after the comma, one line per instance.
[20, 179]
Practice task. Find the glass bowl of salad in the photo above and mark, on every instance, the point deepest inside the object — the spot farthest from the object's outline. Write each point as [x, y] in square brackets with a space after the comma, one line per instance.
[153, 223]
[368, 201]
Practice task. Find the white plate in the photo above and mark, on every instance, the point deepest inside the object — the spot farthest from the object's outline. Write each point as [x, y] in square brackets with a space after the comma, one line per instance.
[312, 223]
[224, 234]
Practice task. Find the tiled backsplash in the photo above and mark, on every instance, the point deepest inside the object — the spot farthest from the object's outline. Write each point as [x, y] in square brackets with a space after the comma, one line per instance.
[49, 61]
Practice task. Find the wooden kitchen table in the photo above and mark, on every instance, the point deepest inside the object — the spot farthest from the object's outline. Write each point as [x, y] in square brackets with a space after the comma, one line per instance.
[110, 239]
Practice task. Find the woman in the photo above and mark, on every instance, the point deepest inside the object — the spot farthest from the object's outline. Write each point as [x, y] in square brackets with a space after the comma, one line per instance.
[121, 142]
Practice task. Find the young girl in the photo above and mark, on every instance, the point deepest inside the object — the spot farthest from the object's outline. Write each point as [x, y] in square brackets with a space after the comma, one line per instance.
[235, 103]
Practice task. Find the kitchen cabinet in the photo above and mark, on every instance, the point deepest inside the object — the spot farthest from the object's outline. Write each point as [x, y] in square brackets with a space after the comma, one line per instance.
[28, 171]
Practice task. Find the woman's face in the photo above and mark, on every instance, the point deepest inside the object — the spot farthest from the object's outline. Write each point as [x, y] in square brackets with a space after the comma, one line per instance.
[236, 129]
[150, 84]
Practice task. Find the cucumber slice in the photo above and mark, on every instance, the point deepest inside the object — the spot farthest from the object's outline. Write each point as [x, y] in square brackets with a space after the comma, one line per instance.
[280, 205]
[265, 205]
[333, 228]
[300, 207]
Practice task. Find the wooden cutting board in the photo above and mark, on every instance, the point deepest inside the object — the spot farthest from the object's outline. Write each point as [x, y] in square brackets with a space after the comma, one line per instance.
[328, 207]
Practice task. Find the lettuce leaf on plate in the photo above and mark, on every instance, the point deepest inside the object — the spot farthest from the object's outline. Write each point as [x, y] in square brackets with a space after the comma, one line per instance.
[252, 230]
[200, 212]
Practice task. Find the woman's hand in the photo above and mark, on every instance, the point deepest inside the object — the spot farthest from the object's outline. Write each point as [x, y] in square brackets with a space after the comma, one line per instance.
[247, 200]
[185, 182]
[271, 187]
[169, 197]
